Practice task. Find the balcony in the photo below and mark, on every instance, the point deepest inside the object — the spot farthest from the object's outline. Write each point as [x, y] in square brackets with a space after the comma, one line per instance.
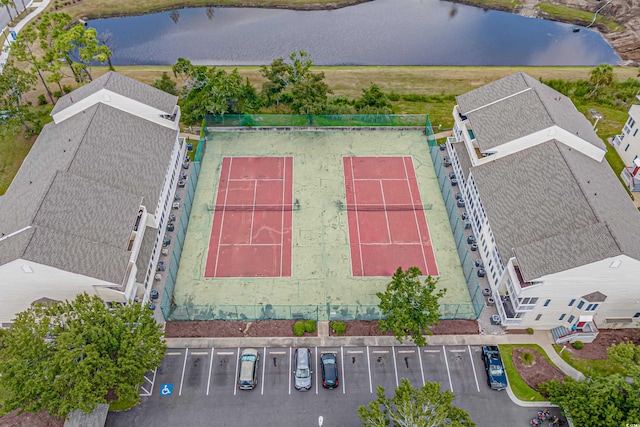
[617, 140]
[506, 312]
[584, 330]
[632, 182]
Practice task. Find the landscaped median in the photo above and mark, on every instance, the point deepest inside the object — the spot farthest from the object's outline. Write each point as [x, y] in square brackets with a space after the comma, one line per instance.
[526, 372]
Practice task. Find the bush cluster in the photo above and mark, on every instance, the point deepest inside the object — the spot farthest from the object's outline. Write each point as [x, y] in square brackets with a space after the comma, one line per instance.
[298, 328]
[339, 328]
[578, 345]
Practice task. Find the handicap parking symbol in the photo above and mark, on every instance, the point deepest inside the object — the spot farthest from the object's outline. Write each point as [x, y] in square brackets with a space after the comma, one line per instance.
[166, 389]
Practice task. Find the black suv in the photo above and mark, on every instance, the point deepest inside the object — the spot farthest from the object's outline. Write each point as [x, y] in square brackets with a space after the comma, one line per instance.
[329, 370]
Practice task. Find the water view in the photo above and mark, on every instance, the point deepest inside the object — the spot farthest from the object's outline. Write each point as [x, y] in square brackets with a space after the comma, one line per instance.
[382, 32]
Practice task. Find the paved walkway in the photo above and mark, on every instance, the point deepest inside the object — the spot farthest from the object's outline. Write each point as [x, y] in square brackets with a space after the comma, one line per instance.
[39, 7]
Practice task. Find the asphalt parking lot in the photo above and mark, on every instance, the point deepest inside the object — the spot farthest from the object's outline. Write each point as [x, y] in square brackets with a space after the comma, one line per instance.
[197, 387]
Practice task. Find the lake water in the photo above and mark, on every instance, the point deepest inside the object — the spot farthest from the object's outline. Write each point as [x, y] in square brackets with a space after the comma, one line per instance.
[382, 32]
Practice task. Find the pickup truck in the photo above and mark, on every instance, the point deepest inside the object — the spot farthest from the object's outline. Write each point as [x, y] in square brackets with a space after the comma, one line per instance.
[496, 376]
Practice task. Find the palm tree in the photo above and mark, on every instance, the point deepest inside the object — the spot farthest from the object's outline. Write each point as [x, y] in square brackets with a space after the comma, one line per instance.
[5, 3]
[602, 75]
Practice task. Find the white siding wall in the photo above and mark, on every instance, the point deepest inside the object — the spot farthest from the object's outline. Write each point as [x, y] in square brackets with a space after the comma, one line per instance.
[631, 132]
[620, 285]
[20, 289]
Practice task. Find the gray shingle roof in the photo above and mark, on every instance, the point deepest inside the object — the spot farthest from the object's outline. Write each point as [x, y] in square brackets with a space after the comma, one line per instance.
[557, 209]
[519, 105]
[12, 248]
[122, 85]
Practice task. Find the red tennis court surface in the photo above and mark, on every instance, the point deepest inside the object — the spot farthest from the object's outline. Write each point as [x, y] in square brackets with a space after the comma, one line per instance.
[387, 224]
[251, 230]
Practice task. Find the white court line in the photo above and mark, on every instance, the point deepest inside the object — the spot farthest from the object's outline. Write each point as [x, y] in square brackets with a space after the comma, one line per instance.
[421, 368]
[415, 213]
[369, 364]
[253, 210]
[264, 364]
[226, 194]
[225, 353]
[395, 365]
[342, 361]
[290, 371]
[316, 349]
[235, 389]
[386, 214]
[448, 372]
[210, 366]
[284, 185]
[277, 352]
[250, 244]
[199, 353]
[354, 351]
[386, 244]
[355, 202]
[473, 366]
[174, 353]
[184, 367]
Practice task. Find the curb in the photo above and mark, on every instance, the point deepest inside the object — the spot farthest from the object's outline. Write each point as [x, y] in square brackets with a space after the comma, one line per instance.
[525, 404]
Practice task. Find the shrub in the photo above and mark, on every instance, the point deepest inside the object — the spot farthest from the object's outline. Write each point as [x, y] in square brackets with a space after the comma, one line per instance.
[529, 331]
[298, 328]
[42, 100]
[393, 97]
[578, 345]
[57, 94]
[414, 98]
[310, 326]
[527, 358]
[339, 328]
[66, 88]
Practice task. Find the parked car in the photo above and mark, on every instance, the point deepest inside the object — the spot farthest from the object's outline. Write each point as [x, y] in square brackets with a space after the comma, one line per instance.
[303, 378]
[458, 195]
[177, 197]
[170, 227]
[479, 262]
[189, 146]
[183, 175]
[471, 239]
[452, 175]
[185, 165]
[172, 217]
[482, 272]
[443, 147]
[460, 203]
[454, 182]
[160, 266]
[248, 376]
[447, 163]
[329, 370]
[496, 376]
[153, 294]
[166, 241]
[181, 183]
[465, 215]
[474, 246]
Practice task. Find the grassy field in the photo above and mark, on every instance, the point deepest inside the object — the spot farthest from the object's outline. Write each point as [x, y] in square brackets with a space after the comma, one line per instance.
[590, 368]
[520, 389]
[107, 8]
[570, 14]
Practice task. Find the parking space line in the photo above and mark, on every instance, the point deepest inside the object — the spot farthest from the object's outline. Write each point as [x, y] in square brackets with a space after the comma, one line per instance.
[369, 365]
[316, 348]
[421, 368]
[342, 363]
[290, 370]
[380, 351]
[446, 362]
[199, 353]
[406, 351]
[264, 365]
[395, 365]
[210, 366]
[147, 393]
[277, 352]
[431, 351]
[174, 353]
[184, 367]
[225, 353]
[354, 351]
[235, 389]
[473, 366]
[457, 350]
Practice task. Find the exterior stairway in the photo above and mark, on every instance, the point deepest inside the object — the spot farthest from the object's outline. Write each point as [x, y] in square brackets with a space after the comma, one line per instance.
[561, 334]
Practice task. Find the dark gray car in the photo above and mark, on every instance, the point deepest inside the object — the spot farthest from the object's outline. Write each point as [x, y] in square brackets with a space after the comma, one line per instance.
[302, 372]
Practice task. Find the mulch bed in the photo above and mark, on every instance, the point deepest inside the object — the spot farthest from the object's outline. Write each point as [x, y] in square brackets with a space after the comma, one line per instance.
[360, 328]
[597, 350]
[27, 419]
[230, 328]
[538, 372]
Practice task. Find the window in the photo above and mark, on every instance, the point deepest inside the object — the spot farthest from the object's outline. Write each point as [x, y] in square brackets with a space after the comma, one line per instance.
[546, 303]
[631, 122]
[636, 315]
[563, 314]
[538, 317]
[571, 319]
[571, 302]
[592, 307]
[635, 132]
[627, 147]
[580, 305]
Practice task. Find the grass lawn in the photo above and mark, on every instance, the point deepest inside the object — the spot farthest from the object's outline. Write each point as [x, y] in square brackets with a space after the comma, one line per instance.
[520, 389]
[570, 14]
[589, 367]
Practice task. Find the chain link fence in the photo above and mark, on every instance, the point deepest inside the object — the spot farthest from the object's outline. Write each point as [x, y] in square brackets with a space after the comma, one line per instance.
[301, 120]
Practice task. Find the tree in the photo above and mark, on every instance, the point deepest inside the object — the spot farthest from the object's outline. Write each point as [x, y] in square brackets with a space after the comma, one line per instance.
[165, 84]
[601, 401]
[424, 407]
[409, 307]
[71, 355]
[309, 96]
[277, 80]
[6, 4]
[23, 50]
[373, 101]
[627, 356]
[14, 83]
[602, 75]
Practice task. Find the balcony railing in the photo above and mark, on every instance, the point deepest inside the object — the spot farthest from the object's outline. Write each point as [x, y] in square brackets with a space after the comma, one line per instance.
[507, 315]
[617, 140]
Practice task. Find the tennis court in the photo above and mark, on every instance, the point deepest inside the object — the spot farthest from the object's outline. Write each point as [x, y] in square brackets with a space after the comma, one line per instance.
[387, 225]
[251, 230]
[303, 178]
